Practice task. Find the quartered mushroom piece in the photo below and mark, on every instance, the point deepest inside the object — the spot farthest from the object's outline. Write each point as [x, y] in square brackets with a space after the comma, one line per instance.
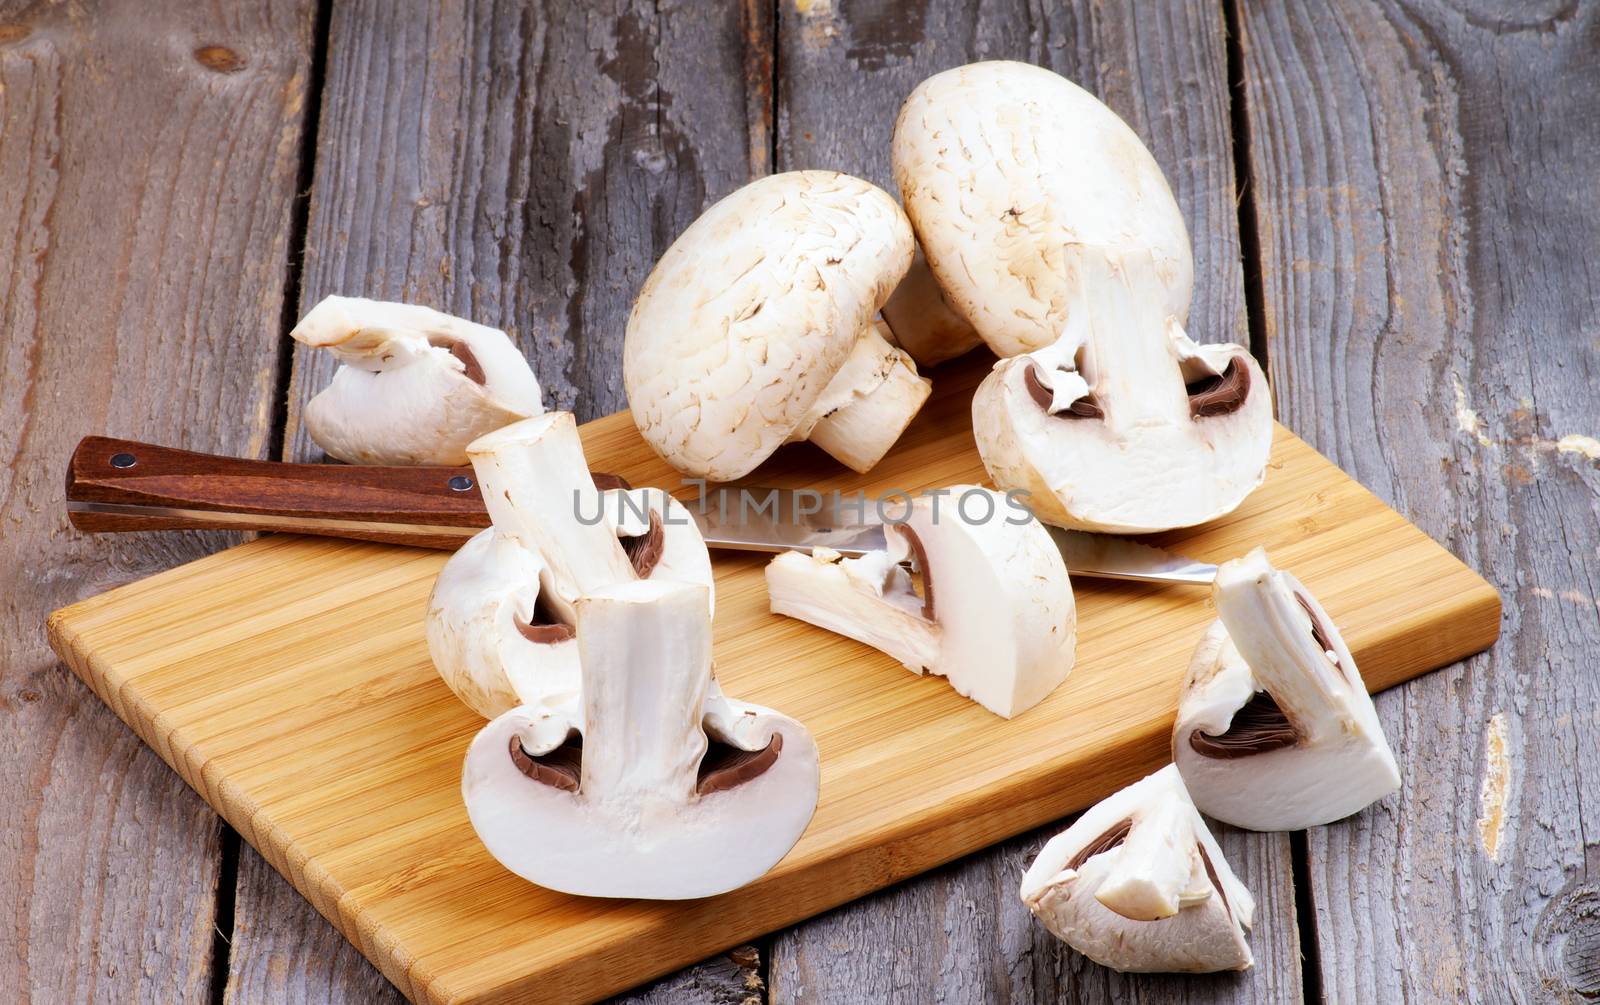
[1138, 884]
[993, 612]
[1051, 230]
[1275, 728]
[415, 385]
[759, 327]
[501, 625]
[652, 784]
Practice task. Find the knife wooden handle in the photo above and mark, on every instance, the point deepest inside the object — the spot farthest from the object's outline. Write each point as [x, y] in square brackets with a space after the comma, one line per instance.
[122, 485]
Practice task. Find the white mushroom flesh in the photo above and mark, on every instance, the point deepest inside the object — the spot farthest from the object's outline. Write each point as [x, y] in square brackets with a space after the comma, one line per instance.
[736, 338]
[655, 785]
[1137, 883]
[996, 615]
[415, 385]
[1275, 728]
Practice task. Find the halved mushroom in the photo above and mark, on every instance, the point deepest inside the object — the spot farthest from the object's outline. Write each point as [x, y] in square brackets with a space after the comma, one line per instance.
[995, 614]
[758, 327]
[415, 385]
[1275, 729]
[1051, 229]
[1138, 884]
[653, 784]
[500, 625]
[1124, 424]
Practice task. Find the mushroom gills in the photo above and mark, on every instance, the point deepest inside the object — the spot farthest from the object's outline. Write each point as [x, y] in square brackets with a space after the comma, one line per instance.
[1137, 883]
[1275, 729]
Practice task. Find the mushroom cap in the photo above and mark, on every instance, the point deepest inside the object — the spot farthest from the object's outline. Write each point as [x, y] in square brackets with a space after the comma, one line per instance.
[1297, 744]
[1138, 884]
[415, 385]
[996, 615]
[1153, 456]
[752, 310]
[1005, 168]
[640, 819]
[486, 589]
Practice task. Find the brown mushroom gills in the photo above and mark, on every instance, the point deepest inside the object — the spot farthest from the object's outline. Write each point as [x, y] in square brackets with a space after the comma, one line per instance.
[1258, 726]
[1084, 408]
[1216, 884]
[458, 349]
[560, 769]
[644, 550]
[1320, 633]
[725, 766]
[1223, 394]
[545, 627]
[1104, 843]
[922, 574]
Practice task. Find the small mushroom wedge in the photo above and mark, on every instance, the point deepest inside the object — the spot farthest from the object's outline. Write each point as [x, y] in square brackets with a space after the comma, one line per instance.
[653, 784]
[1138, 884]
[759, 327]
[1275, 729]
[995, 615]
[1051, 229]
[415, 385]
[500, 622]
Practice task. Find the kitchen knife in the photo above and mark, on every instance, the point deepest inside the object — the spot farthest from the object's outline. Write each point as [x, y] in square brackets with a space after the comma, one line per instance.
[123, 485]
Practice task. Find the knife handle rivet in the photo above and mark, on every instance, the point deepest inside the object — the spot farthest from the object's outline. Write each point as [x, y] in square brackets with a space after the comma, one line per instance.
[123, 460]
[460, 483]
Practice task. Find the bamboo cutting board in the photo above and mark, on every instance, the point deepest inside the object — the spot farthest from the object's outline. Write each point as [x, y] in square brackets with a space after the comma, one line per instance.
[288, 682]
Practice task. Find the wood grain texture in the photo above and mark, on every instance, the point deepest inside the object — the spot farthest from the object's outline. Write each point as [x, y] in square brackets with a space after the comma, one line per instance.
[846, 67]
[149, 153]
[267, 676]
[522, 164]
[1429, 215]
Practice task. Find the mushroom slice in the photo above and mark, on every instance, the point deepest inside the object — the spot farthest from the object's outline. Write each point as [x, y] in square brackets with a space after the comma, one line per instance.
[655, 785]
[1275, 728]
[1125, 424]
[756, 328]
[921, 320]
[415, 385]
[1138, 884]
[1052, 231]
[500, 624]
[995, 614]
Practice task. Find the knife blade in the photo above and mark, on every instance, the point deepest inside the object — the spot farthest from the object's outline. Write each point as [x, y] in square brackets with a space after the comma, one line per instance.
[121, 485]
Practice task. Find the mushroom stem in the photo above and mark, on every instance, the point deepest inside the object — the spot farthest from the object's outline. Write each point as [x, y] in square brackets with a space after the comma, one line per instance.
[645, 649]
[922, 322]
[869, 402]
[1273, 633]
[536, 486]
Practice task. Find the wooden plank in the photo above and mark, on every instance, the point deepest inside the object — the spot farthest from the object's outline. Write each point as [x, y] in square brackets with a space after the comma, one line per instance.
[522, 164]
[267, 676]
[845, 69]
[1425, 187]
[149, 152]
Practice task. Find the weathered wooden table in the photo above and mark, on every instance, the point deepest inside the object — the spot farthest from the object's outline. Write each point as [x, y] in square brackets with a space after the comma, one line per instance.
[1394, 203]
